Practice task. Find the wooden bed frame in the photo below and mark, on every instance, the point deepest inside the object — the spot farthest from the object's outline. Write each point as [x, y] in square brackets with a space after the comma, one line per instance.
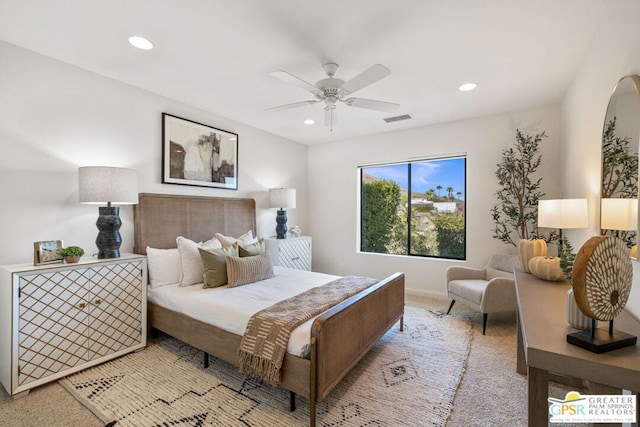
[340, 337]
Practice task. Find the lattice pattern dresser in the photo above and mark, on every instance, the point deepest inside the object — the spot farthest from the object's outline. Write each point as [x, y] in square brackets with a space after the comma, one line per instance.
[292, 253]
[59, 319]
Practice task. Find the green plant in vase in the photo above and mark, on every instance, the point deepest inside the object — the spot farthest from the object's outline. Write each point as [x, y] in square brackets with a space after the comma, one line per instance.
[71, 254]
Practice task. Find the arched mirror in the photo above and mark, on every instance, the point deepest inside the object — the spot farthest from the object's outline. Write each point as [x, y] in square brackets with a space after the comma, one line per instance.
[620, 144]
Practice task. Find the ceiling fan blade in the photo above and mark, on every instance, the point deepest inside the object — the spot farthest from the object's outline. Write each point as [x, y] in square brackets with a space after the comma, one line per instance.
[372, 104]
[290, 78]
[294, 105]
[370, 75]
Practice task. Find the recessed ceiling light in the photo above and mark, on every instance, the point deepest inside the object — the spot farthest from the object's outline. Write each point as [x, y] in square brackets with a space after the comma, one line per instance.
[309, 122]
[468, 86]
[140, 43]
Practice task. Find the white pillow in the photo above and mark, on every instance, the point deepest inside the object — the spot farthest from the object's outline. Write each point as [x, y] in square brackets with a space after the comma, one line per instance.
[164, 266]
[246, 239]
[191, 268]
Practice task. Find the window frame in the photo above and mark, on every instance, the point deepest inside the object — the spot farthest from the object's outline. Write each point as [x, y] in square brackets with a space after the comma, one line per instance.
[361, 170]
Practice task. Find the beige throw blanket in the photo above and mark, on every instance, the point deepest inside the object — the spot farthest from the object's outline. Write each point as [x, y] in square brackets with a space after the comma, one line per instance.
[265, 340]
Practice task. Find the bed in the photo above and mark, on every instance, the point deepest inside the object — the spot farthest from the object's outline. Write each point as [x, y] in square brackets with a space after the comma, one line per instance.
[340, 336]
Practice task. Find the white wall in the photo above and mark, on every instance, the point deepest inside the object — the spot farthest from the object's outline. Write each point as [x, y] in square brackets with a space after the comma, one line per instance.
[614, 53]
[55, 117]
[333, 193]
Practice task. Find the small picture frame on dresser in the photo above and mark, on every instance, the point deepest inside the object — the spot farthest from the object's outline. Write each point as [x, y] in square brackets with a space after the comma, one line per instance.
[47, 252]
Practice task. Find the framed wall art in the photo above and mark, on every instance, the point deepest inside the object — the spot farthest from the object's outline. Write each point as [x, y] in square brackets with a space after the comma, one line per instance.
[47, 252]
[197, 154]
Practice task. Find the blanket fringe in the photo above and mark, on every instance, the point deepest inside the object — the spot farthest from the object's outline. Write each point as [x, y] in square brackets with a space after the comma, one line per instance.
[259, 367]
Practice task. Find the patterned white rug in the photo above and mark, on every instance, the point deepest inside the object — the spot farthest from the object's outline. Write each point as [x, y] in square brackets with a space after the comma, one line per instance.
[408, 378]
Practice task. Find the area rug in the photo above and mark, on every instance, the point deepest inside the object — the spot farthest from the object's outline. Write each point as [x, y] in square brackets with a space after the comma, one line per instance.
[408, 378]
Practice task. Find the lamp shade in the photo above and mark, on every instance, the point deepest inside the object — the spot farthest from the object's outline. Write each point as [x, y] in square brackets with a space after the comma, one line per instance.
[101, 184]
[282, 198]
[619, 214]
[563, 213]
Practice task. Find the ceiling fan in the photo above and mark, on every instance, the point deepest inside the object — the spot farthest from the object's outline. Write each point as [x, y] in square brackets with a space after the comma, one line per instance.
[332, 90]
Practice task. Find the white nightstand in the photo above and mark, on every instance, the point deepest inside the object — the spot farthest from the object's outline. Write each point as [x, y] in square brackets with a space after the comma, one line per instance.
[292, 253]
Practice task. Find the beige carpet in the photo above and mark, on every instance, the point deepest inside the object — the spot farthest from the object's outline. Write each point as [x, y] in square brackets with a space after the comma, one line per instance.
[409, 378]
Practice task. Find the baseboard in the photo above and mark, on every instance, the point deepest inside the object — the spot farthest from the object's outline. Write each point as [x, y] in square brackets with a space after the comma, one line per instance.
[425, 294]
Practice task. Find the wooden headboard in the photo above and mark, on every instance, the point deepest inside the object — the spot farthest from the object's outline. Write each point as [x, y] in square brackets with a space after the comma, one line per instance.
[160, 218]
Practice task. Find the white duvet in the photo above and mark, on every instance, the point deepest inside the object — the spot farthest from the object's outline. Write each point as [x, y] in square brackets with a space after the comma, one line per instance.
[231, 309]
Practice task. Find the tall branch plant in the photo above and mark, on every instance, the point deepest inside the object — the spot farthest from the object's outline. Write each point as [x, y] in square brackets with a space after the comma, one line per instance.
[515, 213]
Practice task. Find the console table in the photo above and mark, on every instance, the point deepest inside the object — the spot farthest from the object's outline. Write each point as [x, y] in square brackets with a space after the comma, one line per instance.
[544, 354]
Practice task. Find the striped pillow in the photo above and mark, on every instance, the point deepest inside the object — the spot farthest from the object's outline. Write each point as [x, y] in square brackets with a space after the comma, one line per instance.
[241, 271]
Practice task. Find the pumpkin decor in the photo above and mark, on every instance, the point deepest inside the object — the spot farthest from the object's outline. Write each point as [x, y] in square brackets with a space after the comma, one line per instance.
[546, 268]
[529, 248]
[602, 277]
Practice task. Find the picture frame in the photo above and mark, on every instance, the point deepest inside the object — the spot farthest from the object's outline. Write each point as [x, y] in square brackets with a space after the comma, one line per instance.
[47, 252]
[198, 154]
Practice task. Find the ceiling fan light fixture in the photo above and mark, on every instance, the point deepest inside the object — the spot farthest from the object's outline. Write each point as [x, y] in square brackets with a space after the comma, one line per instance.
[140, 42]
[331, 90]
[465, 87]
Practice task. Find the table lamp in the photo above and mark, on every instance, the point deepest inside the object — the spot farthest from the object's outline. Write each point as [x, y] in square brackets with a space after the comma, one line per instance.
[108, 185]
[563, 214]
[282, 198]
[621, 216]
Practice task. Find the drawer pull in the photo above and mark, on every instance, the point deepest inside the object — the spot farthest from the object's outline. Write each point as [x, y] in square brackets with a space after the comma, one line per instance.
[97, 302]
[82, 305]
[295, 258]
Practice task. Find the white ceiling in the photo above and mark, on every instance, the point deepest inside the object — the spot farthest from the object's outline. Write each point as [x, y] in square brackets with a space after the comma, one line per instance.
[217, 54]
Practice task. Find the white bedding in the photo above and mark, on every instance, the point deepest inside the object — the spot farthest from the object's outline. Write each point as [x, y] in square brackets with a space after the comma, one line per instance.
[231, 309]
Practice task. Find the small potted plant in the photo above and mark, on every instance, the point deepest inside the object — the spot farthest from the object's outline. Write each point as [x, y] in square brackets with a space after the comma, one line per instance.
[72, 254]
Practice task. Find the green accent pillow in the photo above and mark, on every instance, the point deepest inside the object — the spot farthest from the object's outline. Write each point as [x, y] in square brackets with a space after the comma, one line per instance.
[214, 262]
[251, 249]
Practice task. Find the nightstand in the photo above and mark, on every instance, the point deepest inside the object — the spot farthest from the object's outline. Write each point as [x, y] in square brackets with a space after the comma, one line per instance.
[291, 253]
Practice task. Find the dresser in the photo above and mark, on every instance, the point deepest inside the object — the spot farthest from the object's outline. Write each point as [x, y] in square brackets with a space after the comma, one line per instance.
[294, 252]
[62, 318]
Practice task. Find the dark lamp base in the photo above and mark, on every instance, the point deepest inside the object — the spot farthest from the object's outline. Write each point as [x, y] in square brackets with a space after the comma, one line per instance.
[109, 239]
[107, 254]
[602, 341]
[281, 228]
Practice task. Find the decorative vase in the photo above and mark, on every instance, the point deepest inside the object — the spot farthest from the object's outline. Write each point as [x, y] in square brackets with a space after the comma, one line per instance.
[71, 259]
[574, 316]
[528, 249]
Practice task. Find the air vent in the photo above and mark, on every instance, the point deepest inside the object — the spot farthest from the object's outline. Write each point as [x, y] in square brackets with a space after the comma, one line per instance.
[397, 118]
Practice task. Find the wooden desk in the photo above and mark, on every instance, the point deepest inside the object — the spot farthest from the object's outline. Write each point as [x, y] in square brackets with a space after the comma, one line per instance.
[543, 349]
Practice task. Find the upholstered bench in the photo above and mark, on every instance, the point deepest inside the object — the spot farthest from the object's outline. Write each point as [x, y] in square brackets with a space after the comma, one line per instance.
[487, 290]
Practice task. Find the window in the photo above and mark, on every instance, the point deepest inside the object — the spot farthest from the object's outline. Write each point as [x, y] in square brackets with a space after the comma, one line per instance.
[415, 208]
